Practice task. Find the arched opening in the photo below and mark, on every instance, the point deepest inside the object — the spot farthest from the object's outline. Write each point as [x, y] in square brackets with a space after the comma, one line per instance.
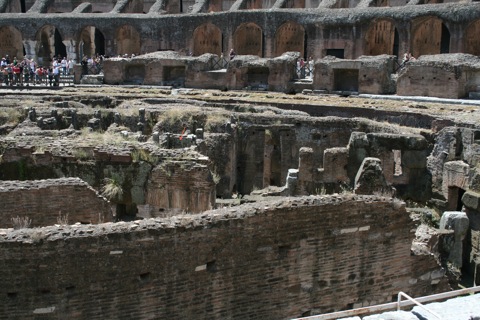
[128, 40]
[11, 42]
[380, 38]
[471, 38]
[429, 36]
[445, 40]
[396, 43]
[207, 38]
[99, 42]
[290, 36]
[49, 45]
[247, 39]
[60, 48]
[91, 42]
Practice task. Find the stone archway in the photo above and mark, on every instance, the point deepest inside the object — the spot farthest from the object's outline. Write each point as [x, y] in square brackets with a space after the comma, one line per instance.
[128, 40]
[49, 45]
[247, 39]
[429, 36]
[91, 42]
[11, 42]
[471, 38]
[380, 38]
[290, 36]
[207, 38]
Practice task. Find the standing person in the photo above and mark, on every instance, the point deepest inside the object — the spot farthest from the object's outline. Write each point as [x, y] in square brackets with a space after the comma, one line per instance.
[32, 68]
[50, 76]
[71, 65]
[63, 63]
[5, 75]
[56, 75]
[232, 54]
[302, 68]
[17, 74]
[310, 67]
[26, 73]
[38, 75]
[10, 74]
[84, 65]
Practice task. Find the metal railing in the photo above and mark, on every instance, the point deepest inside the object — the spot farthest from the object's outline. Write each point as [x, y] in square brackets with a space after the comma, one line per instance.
[304, 72]
[91, 69]
[31, 79]
[393, 305]
[219, 63]
[403, 294]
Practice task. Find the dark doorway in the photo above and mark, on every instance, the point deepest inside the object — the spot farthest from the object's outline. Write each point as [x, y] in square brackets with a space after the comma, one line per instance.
[338, 53]
[99, 42]
[23, 8]
[346, 80]
[174, 76]
[396, 43]
[445, 40]
[60, 49]
[455, 195]
[257, 78]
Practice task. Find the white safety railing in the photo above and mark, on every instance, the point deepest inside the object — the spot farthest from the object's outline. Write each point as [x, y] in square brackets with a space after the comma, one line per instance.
[403, 294]
[393, 305]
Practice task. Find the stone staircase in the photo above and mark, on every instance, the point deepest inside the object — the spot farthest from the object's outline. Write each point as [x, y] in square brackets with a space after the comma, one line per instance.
[299, 85]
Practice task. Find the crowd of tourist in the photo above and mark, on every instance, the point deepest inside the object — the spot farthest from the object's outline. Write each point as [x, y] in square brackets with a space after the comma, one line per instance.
[15, 72]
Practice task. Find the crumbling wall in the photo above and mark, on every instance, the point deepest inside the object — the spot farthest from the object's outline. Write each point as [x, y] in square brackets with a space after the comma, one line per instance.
[304, 256]
[181, 185]
[445, 76]
[46, 202]
[366, 74]
[402, 158]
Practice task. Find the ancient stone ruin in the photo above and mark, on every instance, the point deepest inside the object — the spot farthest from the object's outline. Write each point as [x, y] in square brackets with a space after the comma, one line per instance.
[349, 46]
[188, 183]
[159, 202]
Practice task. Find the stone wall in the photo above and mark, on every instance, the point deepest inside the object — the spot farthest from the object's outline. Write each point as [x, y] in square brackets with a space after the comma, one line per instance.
[364, 75]
[182, 185]
[445, 76]
[271, 260]
[350, 33]
[402, 156]
[207, 71]
[44, 201]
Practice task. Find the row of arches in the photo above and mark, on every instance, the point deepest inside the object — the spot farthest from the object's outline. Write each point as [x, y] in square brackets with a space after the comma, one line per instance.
[428, 35]
[49, 43]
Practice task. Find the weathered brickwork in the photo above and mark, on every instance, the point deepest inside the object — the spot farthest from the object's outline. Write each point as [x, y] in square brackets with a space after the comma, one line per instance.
[180, 184]
[270, 260]
[350, 33]
[45, 201]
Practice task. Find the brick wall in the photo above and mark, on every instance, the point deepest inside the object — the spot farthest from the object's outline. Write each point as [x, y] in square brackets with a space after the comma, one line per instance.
[270, 260]
[43, 201]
